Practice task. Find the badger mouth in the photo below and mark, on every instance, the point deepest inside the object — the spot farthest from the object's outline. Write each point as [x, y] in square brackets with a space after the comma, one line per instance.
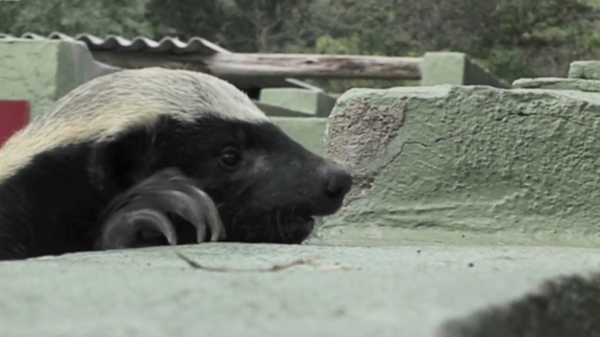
[274, 227]
[304, 220]
[280, 226]
[296, 229]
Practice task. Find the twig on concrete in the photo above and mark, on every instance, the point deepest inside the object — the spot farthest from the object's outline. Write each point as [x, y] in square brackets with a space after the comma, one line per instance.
[335, 267]
[274, 268]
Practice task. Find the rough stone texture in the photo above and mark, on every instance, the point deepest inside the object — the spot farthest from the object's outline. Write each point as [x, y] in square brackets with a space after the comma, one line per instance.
[402, 291]
[475, 164]
[311, 102]
[309, 131]
[455, 68]
[585, 69]
[558, 84]
[43, 71]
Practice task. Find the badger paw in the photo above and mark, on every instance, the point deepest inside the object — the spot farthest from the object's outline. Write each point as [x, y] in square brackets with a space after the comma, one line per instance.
[145, 207]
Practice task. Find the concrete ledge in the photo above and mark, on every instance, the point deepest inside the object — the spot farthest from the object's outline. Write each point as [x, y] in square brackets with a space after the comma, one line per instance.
[467, 164]
[402, 291]
[309, 132]
[278, 111]
[585, 69]
[43, 71]
[455, 68]
[555, 83]
[310, 102]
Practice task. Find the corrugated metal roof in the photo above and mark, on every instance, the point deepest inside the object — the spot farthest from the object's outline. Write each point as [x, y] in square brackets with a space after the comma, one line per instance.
[167, 45]
[137, 44]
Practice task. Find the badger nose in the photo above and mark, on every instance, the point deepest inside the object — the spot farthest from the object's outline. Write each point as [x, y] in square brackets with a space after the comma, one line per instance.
[337, 184]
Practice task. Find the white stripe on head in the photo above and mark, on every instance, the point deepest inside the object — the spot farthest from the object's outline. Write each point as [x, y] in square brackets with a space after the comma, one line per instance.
[113, 103]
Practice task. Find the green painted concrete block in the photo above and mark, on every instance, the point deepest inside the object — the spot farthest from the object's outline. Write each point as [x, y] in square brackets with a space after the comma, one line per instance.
[442, 162]
[310, 132]
[455, 68]
[315, 103]
[585, 69]
[278, 111]
[43, 71]
[556, 83]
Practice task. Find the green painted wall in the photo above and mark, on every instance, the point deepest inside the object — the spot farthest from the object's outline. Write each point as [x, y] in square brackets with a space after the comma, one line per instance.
[474, 164]
[311, 103]
[589, 69]
[308, 131]
[455, 68]
[553, 83]
[43, 71]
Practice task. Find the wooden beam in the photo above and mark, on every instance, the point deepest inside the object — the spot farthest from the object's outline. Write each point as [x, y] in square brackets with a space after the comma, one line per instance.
[300, 66]
[303, 66]
[129, 60]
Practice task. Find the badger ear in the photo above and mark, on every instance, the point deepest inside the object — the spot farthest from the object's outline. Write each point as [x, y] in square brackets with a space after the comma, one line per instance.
[118, 163]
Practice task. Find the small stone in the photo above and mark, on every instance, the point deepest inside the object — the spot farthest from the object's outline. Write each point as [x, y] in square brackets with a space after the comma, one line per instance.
[558, 84]
[585, 69]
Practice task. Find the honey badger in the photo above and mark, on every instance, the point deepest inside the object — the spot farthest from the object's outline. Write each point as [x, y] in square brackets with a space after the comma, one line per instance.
[156, 156]
[564, 306]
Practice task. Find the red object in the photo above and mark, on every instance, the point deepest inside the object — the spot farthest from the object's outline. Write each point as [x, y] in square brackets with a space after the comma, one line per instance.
[13, 116]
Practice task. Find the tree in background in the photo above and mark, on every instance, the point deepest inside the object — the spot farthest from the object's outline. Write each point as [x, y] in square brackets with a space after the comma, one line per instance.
[513, 38]
[75, 16]
[240, 25]
[503, 33]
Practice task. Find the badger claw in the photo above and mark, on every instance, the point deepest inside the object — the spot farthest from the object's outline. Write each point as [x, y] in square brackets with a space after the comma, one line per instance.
[121, 229]
[208, 213]
[144, 206]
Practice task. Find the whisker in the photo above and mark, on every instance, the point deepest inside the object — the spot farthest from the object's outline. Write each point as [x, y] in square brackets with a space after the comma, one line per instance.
[236, 217]
[280, 231]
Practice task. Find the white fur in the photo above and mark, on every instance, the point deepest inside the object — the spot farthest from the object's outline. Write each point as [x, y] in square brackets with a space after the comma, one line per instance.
[113, 103]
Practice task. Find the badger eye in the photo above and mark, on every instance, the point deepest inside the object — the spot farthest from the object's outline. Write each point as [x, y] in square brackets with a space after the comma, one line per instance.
[229, 158]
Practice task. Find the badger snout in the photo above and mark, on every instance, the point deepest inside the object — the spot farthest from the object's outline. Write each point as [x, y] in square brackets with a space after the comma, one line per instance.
[335, 184]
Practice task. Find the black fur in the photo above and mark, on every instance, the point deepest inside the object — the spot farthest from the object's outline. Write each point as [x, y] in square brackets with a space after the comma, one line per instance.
[566, 306]
[148, 213]
[55, 204]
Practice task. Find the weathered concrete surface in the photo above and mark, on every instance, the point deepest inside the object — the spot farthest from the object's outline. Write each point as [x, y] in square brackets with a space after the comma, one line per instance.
[390, 291]
[455, 68]
[43, 71]
[309, 131]
[315, 103]
[475, 164]
[585, 69]
[556, 83]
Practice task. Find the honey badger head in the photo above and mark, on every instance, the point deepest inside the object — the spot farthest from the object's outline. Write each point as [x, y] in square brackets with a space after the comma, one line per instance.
[59, 172]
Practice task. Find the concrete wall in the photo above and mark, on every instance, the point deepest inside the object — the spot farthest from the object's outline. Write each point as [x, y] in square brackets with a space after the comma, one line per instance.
[583, 76]
[307, 102]
[436, 68]
[309, 132]
[468, 164]
[43, 71]
[456, 68]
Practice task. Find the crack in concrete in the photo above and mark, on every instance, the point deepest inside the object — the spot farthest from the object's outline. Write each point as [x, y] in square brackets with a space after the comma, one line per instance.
[412, 142]
[523, 114]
